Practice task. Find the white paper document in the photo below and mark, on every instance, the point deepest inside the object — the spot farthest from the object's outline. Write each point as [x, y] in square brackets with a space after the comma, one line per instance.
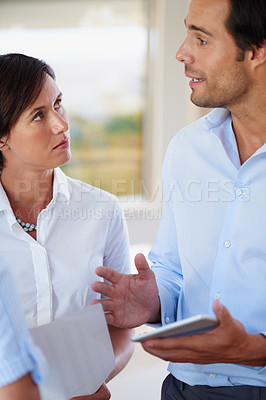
[78, 351]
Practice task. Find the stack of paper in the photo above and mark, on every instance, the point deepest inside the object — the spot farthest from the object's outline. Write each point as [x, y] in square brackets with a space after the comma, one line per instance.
[79, 354]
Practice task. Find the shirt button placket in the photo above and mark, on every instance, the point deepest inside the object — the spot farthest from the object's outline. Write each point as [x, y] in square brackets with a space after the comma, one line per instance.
[227, 244]
[217, 296]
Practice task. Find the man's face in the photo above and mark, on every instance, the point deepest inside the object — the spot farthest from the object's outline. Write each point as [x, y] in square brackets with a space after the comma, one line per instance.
[212, 60]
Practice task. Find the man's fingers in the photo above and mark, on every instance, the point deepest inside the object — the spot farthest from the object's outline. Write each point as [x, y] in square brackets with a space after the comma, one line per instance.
[142, 265]
[108, 274]
[107, 304]
[186, 343]
[175, 355]
[221, 313]
[103, 288]
[113, 276]
[109, 318]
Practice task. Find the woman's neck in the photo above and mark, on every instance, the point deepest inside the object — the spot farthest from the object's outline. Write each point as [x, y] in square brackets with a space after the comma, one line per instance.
[29, 192]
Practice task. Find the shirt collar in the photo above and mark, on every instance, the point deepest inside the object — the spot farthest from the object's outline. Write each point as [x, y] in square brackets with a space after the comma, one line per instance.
[219, 122]
[60, 185]
[216, 117]
[4, 202]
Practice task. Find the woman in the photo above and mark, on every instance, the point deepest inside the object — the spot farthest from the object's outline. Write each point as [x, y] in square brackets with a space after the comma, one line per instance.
[54, 230]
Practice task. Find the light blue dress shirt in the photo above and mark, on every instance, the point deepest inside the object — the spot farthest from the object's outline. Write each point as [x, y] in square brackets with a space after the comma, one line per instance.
[18, 356]
[212, 239]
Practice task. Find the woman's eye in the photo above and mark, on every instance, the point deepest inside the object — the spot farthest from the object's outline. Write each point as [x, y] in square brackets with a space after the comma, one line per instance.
[58, 103]
[38, 116]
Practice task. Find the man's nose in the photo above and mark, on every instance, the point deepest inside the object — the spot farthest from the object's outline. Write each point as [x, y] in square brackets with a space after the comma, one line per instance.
[184, 54]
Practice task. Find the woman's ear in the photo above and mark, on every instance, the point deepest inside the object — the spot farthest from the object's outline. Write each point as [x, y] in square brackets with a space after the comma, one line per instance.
[3, 144]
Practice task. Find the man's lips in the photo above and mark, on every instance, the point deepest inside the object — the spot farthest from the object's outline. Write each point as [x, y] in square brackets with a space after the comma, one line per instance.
[63, 144]
[195, 80]
[198, 78]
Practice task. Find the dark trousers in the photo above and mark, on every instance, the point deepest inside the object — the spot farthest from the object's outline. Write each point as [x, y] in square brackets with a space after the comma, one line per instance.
[173, 389]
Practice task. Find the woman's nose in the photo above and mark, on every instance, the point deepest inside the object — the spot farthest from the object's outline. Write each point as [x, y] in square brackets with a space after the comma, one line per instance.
[60, 124]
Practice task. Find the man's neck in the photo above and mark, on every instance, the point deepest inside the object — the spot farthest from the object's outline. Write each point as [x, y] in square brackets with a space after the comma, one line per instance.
[250, 130]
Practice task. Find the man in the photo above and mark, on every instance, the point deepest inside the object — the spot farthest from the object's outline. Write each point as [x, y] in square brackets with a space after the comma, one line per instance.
[21, 364]
[210, 253]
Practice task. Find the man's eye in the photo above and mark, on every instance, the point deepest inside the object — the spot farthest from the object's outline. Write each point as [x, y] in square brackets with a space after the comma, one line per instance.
[38, 116]
[202, 41]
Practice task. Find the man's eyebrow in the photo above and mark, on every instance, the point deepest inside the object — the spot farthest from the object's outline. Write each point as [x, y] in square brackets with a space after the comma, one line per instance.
[36, 109]
[198, 29]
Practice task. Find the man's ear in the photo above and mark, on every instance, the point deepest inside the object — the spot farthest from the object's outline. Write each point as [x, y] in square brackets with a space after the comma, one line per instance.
[258, 55]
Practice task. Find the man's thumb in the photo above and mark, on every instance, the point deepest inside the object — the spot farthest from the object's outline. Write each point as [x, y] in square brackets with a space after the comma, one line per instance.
[142, 264]
[221, 312]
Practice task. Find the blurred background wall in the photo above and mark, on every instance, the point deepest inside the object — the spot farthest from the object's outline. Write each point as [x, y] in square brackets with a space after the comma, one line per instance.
[126, 96]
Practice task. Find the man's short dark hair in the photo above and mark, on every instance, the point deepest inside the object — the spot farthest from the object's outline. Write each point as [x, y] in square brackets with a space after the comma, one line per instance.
[247, 23]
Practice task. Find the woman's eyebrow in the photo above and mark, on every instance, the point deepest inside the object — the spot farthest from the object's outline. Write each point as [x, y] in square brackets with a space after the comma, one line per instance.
[35, 110]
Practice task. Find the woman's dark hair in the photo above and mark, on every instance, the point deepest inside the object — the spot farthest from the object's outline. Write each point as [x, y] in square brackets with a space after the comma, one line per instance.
[21, 81]
[247, 23]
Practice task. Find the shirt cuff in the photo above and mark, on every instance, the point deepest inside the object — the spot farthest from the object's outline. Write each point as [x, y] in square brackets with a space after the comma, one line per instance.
[28, 360]
[168, 305]
[263, 369]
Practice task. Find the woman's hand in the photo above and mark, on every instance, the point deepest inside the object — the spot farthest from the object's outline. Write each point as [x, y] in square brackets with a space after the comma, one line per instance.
[101, 394]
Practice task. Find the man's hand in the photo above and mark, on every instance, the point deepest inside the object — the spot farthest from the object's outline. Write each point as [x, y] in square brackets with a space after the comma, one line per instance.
[131, 300]
[228, 343]
[101, 394]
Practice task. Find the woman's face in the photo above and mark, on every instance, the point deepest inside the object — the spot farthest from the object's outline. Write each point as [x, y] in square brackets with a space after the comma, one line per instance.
[40, 138]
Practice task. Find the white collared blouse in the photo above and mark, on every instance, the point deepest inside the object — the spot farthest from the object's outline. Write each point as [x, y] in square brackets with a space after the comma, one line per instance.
[81, 228]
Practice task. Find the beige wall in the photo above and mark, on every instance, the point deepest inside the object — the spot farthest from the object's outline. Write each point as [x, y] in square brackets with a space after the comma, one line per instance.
[170, 106]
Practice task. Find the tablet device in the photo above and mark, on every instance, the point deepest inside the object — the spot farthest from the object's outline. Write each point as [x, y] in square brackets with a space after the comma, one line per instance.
[190, 326]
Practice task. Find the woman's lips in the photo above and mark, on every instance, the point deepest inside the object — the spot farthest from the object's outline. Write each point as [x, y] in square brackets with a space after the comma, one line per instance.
[63, 144]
